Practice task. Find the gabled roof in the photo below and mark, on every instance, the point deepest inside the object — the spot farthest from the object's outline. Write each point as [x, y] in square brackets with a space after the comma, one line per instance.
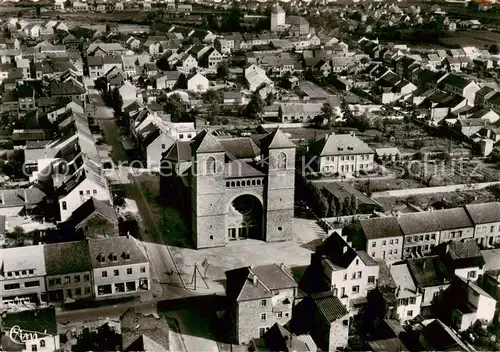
[66, 258]
[276, 140]
[329, 306]
[121, 246]
[381, 228]
[253, 283]
[179, 151]
[441, 338]
[340, 144]
[139, 330]
[205, 142]
[484, 213]
[92, 207]
[337, 251]
[429, 271]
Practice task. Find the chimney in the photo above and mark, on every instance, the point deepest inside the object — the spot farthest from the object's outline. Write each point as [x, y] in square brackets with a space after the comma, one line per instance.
[255, 280]
[282, 266]
[26, 196]
[423, 264]
[344, 249]
[352, 133]
[447, 248]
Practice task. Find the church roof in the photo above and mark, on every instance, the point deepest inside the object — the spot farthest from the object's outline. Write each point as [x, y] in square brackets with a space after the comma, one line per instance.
[205, 142]
[276, 140]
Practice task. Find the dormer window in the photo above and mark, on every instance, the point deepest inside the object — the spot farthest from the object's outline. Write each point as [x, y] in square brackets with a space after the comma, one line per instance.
[113, 257]
[101, 258]
[126, 255]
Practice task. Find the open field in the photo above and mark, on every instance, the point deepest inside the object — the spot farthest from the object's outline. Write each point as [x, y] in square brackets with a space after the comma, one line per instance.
[480, 39]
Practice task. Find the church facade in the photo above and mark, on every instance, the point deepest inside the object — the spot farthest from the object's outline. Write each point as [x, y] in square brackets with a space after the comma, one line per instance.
[233, 187]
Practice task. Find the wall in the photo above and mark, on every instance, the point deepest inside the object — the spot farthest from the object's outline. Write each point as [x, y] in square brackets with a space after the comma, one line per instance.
[402, 310]
[250, 320]
[428, 293]
[72, 285]
[123, 277]
[22, 290]
[381, 251]
[431, 190]
[74, 199]
[339, 334]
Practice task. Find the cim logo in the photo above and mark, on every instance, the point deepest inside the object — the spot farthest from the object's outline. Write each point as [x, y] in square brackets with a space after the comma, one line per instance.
[20, 336]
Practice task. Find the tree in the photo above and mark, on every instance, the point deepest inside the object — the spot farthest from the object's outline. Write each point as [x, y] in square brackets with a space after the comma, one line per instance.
[177, 109]
[347, 206]
[163, 64]
[255, 106]
[354, 204]
[494, 49]
[270, 98]
[231, 21]
[38, 10]
[332, 211]
[117, 101]
[223, 70]
[212, 100]
[19, 236]
[108, 28]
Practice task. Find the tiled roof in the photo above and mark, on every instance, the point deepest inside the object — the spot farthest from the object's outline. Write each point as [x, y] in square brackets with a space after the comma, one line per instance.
[429, 271]
[381, 228]
[484, 213]
[276, 140]
[92, 207]
[329, 306]
[137, 328]
[66, 258]
[242, 287]
[20, 197]
[179, 151]
[23, 258]
[337, 251]
[340, 144]
[240, 148]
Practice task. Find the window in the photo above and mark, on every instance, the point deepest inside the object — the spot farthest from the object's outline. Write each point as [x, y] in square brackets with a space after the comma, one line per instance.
[11, 286]
[143, 269]
[413, 300]
[94, 191]
[345, 322]
[51, 282]
[211, 165]
[9, 274]
[390, 251]
[88, 191]
[395, 251]
[415, 239]
[263, 316]
[281, 161]
[181, 136]
[355, 289]
[104, 273]
[35, 283]
[263, 303]
[433, 236]
[345, 276]
[86, 277]
[391, 242]
[280, 314]
[67, 280]
[373, 254]
[396, 241]
[357, 261]
[77, 278]
[87, 290]
[384, 242]
[126, 255]
[426, 237]
[34, 348]
[359, 275]
[42, 343]
[81, 193]
[410, 313]
[262, 331]
[78, 291]
[353, 276]
[58, 280]
[374, 244]
[163, 146]
[116, 272]
[492, 228]
[129, 271]
[104, 290]
[64, 206]
[471, 274]
[371, 279]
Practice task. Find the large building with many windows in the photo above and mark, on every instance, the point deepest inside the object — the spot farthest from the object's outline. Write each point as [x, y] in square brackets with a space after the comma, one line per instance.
[233, 187]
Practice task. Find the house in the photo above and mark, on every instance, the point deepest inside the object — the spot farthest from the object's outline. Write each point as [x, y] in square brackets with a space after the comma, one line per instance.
[455, 84]
[198, 83]
[168, 80]
[93, 219]
[330, 321]
[23, 275]
[486, 220]
[234, 98]
[128, 92]
[463, 259]
[68, 271]
[349, 274]
[187, 62]
[388, 153]
[299, 112]
[436, 336]
[26, 97]
[381, 238]
[408, 296]
[469, 304]
[120, 268]
[256, 77]
[26, 201]
[431, 277]
[258, 298]
[278, 338]
[342, 155]
[144, 332]
[39, 328]
[211, 58]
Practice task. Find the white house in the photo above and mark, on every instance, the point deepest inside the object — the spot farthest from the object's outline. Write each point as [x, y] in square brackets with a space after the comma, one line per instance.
[198, 83]
[256, 77]
[407, 294]
[349, 273]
